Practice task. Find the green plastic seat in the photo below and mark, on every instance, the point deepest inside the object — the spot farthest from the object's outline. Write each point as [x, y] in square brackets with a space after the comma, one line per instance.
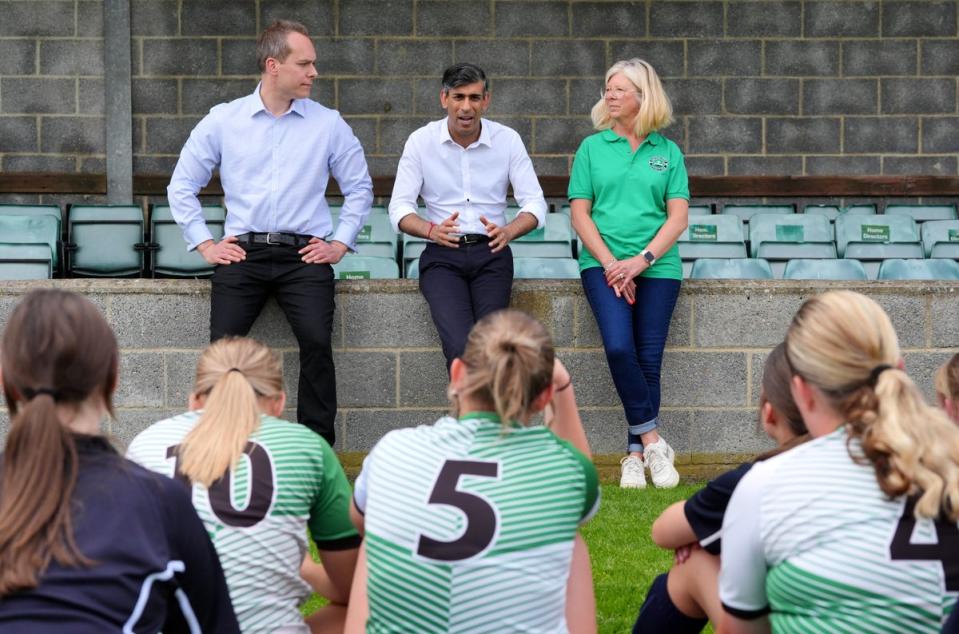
[923, 213]
[545, 268]
[782, 237]
[25, 261]
[34, 210]
[412, 271]
[105, 240]
[932, 269]
[553, 240]
[834, 211]
[32, 229]
[376, 237]
[170, 255]
[940, 238]
[837, 269]
[731, 269]
[871, 239]
[710, 236]
[701, 210]
[365, 267]
[375, 210]
[746, 212]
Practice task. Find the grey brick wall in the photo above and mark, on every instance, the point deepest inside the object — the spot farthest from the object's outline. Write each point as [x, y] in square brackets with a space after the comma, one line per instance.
[772, 87]
[391, 373]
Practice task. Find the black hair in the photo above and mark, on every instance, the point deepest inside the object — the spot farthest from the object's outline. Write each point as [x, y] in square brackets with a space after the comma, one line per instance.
[462, 74]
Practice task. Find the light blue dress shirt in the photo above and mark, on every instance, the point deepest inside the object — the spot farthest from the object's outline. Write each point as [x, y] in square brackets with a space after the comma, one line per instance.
[274, 171]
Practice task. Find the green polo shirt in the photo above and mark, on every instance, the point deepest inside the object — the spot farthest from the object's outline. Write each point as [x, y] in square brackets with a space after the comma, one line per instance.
[629, 191]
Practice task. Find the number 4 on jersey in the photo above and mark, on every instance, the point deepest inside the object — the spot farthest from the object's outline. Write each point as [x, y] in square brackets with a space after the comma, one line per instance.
[945, 550]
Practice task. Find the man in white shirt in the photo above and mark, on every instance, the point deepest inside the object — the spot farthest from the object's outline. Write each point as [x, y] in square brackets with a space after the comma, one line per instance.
[462, 165]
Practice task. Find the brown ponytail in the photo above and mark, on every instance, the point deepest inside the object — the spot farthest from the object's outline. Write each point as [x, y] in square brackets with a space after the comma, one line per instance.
[57, 349]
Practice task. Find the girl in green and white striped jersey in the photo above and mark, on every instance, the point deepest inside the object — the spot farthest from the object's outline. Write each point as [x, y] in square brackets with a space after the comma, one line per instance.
[471, 522]
[855, 531]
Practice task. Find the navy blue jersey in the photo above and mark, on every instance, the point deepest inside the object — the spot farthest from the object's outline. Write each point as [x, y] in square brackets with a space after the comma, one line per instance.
[705, 509]
[154, 566]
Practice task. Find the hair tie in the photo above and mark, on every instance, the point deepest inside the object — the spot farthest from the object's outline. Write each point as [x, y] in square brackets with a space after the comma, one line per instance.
[234, 370]
[32, 393]
[876, 371]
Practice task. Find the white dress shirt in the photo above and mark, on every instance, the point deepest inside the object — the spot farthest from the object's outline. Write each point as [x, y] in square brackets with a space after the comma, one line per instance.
[274, 171]
[472, 180]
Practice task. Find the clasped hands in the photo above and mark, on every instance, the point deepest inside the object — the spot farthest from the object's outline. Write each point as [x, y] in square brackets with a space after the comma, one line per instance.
[621, 276]
[447, 233]
[227, 251]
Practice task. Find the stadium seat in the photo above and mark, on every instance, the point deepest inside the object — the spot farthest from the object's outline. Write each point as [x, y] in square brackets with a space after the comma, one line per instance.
[553, 240]
[932, 269]
[872, 239]
[923, 213]
[104, 240]
[940, 238]
[731, 269]
[413, 247]
[25, 262]
[365, 267]
[545, 268]
[170, 255]
[377, 238]
[40, 229]
[701, 210]
[412, 270]
[34, 210]
[375, 210]
[711, 236]
[834, 211]
[746, 212]
[782, 237]
[837, 269]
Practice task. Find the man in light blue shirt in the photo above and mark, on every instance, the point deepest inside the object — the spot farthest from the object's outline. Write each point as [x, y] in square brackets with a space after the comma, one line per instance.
[276, 150]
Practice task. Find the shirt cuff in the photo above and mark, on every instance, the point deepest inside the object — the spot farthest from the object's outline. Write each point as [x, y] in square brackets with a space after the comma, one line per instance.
[396, 217]
[196, 234]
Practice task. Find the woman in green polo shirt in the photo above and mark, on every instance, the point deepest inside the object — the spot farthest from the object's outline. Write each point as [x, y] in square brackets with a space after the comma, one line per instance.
[629, 196]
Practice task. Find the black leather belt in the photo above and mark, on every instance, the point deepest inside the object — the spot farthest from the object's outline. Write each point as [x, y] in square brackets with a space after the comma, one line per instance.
[473, 238]
[275, 239]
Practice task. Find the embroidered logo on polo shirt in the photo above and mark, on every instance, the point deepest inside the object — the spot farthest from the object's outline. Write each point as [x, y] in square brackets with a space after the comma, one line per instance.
[659, 163]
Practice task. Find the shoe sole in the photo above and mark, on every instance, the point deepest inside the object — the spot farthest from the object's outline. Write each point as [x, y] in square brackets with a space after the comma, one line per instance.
[632, 486]
[672, 484]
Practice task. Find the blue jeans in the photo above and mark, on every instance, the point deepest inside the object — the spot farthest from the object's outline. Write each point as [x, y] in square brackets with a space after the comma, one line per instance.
[634, 338]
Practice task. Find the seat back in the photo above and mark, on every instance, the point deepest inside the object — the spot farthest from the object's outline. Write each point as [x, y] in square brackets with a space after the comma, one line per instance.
[545, 268]
[837, 269]
[170, 255]
[377, 238]
[746, 212]
[13, 209]
[785, 236]
[105, 240]
[553, 240]
[922, 213]
[25, 261]
[712, 236]
[932, 269]
[877, 237]
[32, 229]
[940, 238]
[731, 269]
[361, 267]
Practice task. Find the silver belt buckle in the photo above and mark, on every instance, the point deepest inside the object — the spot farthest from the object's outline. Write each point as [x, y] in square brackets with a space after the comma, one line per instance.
[270, 239]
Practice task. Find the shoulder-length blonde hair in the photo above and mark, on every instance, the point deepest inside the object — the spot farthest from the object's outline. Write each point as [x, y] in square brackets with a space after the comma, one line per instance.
[655, 109]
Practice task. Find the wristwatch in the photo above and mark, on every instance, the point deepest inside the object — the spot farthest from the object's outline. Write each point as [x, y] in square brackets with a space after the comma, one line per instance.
[648, 256]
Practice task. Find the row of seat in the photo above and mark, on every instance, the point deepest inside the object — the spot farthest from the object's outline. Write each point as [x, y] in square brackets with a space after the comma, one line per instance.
[833, 269]
[745, 212]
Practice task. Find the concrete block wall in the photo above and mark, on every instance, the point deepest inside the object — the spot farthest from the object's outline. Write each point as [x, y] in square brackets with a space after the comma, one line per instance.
[787, 87]
[391, 373]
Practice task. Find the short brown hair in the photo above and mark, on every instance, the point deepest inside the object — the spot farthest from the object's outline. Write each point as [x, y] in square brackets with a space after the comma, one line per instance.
[273, 41]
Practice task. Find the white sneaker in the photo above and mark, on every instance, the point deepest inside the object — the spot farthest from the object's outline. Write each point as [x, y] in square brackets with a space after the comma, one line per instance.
[633, 476]
[659, 458]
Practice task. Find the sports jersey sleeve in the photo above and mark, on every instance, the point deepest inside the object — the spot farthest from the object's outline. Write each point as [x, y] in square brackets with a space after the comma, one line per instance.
[591, 477]
[329, 522]
[580, 179]
[361, 486]
[742, 575]
[678, 186]
[705, 510]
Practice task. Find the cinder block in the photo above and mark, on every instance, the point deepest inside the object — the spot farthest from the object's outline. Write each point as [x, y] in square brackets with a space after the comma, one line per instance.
[695, 96]
[365, 379]
[583, 95]
[686, 19]
[37, 17]
[91, 94]
[765, 165]
[908, 315]
[90, 18]
[363, 428]
[141, 380]
[879, 57]
[553, 310]
[365, 130]
[591, 377]
[665, 56]
[881, 134]
[343, 56]
[944, 312]
[693, 379]
[532, 18]
[788, 136]
[39, 163]
[762, 96]
[922, 366]
[840, 96]
[843, 165]
[918, 96]
[746, 19]
[940, 57]
[413, 57]
[382, 165]
[154, 96]
[166, 135]
[928, 18]
[375, 96]
[841, 19]
[216, 17]
[587, 333]
[199, 95]
[497, 57]
[179, 57]
[606, 428]
[727, 431]
[523, 96]
[522, 125]
[19, 134]
[272, 328]
[754, 319]
[131, 421]
[19, 55]
[154, 17]
[705, 165]
[161, 321]
[423, 379]
[929, 165]
[560, 58]
[316, 15]
[71, 57]
[729, 58]
[394, 131]
[83, 135]
[559, 135]
[550, 165]
[722, 135]
[453, 17]
[239, 58]
[387, 320]
[757, 364]
[939, 134]
[818, 58]
[38, 95]
[377, 17]
[180, 372]
[153, 164]
[610, 19]
[426, 97]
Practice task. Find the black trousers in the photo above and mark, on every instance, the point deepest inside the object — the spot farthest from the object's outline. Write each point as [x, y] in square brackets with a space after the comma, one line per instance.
[461, 286]
[305, 293]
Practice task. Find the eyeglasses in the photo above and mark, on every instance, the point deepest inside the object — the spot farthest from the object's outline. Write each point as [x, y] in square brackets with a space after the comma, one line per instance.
[618, 92]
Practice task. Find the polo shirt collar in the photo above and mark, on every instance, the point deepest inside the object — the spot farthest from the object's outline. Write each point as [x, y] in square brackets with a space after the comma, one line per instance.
[255, 104]
[653, 138]
[485, 138]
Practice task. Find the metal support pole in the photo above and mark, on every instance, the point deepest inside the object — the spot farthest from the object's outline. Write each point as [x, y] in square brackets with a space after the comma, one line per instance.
[119, 106]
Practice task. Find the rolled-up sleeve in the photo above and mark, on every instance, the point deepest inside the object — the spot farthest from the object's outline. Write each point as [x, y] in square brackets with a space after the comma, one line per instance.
[409, 181]
[526, 188]
[198, 158]
[348, 167]
[742, 576]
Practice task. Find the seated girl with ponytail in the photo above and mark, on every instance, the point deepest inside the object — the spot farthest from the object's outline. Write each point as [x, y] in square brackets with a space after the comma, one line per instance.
[471, 523]
[258, 483]
[856, 530]
[89, 542]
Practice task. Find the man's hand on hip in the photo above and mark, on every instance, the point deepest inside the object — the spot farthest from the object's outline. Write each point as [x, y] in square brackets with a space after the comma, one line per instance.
[499, 237]
[323, 252]
[226, 251]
